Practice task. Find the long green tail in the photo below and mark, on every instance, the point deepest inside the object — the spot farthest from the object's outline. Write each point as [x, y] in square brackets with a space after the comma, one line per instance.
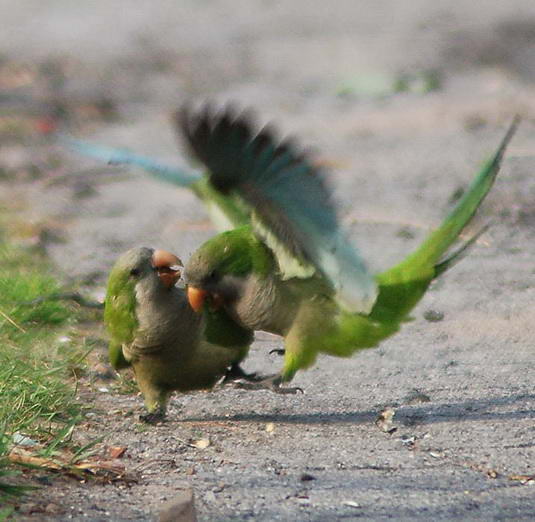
[429, 254]
[402, 286]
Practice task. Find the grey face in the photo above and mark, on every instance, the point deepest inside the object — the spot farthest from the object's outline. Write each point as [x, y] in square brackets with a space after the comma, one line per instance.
[137, 262]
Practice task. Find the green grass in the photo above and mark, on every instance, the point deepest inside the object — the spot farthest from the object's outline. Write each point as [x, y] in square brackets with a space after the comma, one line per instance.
[37, 366]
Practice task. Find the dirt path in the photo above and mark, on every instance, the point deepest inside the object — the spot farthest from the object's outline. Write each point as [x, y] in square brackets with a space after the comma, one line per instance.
[464, 444]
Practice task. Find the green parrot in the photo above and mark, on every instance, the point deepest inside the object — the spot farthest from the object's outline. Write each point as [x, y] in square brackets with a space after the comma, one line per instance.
[153, 329]
[292, 271]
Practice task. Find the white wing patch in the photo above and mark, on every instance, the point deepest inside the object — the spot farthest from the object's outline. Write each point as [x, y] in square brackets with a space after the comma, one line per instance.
[290, 266]
[218, 216]
[355, 288]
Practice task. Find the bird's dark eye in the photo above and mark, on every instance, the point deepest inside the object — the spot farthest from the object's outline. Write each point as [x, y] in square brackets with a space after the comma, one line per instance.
[211, 277]
[134, 272]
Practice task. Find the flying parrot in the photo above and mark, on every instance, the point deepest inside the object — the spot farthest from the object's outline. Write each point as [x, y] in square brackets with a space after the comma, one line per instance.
[292, 270]
[153, 329]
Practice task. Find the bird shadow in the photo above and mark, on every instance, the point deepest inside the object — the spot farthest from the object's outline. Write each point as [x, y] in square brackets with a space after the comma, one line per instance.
[407, 414]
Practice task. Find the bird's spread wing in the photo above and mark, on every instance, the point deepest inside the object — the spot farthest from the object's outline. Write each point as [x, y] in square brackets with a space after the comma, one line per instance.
[224, 211]
[292, 207]
[114, 156]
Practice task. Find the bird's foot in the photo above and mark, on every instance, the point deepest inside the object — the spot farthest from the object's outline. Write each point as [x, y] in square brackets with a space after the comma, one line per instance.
[152, 418]
[272, 383]
[236, 373]
[278, 351]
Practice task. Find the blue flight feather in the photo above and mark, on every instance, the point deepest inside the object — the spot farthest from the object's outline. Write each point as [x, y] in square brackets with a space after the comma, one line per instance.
[113, 156]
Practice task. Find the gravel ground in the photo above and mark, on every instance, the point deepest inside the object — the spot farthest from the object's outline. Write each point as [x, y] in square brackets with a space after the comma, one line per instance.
[461, 387]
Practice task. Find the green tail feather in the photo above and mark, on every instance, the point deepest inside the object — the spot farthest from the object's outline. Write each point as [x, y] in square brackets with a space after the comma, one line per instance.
[402, 286]
[430, 252]
[458, 254]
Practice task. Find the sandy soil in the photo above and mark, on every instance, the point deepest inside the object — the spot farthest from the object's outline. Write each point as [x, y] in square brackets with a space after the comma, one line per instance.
[464, 445]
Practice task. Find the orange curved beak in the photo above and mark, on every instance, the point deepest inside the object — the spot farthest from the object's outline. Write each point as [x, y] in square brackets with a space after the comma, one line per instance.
[167, 266]
[196, 298]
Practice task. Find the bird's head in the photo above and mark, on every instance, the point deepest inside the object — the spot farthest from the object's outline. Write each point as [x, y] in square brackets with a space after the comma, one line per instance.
[216, 272]
[144, 264]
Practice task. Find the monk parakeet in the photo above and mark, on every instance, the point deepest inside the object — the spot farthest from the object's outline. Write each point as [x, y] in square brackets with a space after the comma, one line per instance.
[153, 329]
[292, 270]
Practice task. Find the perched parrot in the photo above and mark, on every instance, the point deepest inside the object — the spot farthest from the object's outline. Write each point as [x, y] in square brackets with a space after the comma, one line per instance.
[153, 329]
[292, 270]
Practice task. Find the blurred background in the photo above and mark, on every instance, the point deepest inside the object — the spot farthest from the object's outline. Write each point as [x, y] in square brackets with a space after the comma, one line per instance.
[392, 93]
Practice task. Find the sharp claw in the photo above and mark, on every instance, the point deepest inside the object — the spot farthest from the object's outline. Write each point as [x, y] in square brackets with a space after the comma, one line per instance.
[291, 390]
[272, 383]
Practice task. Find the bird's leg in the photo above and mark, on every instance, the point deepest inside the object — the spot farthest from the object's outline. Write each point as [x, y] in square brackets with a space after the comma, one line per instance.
[154, 417]
[236, 373]
[155, 399]
[272, 383]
